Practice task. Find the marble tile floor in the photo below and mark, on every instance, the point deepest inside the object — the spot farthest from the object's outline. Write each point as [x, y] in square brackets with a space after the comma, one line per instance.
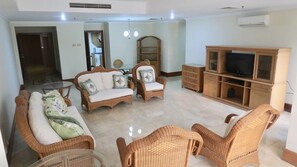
[181, 107]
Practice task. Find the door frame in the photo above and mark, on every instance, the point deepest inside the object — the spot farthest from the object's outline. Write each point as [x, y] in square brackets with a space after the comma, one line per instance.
[41, 35]
[88, 49]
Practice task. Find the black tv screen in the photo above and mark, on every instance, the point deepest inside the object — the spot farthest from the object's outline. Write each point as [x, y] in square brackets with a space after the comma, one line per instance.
[240, 64]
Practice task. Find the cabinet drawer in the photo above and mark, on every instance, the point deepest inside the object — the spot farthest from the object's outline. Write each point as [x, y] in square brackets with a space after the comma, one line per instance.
[189, 74]
[191, 86]
[191, 69]
[210, 77]
[261, 87]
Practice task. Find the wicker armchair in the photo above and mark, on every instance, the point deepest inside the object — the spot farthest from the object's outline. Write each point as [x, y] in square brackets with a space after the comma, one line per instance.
[240, 145]
[142, 88]
[22, 124]
[166, 146]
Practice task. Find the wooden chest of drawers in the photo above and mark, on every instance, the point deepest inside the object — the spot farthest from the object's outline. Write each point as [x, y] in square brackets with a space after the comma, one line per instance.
[192, 76]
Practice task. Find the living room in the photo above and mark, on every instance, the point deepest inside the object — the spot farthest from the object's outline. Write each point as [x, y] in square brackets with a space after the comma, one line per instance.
[183, 41]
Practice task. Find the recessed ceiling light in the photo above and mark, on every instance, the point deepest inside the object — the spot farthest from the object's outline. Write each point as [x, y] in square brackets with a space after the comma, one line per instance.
[63, 17]
[172, 15]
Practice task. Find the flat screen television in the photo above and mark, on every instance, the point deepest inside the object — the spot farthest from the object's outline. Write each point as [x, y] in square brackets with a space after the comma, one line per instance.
[240, 64]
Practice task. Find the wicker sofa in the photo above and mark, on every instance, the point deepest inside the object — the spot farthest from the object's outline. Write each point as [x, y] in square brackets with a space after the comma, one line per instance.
[107, 96]
[36, 130]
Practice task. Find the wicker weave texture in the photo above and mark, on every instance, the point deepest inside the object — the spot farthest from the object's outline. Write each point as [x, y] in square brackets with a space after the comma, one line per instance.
[167, 146]
[109, 103]
[22, 124]
[146, 95]
[240, 146]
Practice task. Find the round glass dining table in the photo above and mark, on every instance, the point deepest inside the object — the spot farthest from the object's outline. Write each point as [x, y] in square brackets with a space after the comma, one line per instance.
[73, 158]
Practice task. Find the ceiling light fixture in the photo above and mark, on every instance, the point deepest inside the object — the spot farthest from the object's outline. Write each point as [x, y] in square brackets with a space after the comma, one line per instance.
[127, 33]
[172, 15]
[63, 17]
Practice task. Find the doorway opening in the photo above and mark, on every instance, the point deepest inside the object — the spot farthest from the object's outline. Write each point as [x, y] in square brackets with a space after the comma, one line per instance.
[94, 49]
[39, 55]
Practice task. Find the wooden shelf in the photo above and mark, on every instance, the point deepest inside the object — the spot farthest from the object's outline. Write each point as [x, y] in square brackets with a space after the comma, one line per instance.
[149, 47]
[267, 84]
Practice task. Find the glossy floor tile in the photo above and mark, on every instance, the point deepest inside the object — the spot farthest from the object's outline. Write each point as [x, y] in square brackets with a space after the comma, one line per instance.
[181, 107]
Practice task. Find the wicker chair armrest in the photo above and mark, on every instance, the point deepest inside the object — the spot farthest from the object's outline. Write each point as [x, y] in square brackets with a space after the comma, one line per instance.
[207, 134]
[161, 81]
[85, 94]
[229, 117]
[131, 85]
[122, 147]
[67, 101]
[67, 144]
[141, 83]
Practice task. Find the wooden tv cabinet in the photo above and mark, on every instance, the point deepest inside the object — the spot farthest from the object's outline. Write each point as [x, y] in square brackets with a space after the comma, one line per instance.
[266, 85]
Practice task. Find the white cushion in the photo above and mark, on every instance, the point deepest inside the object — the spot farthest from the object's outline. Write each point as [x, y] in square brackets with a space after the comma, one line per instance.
[95, 77]
[110, 94]
[233, 121]
[72, 112]
[39, 125]
[219, 129]
[153, 86]
[107, 78]
[144, 68]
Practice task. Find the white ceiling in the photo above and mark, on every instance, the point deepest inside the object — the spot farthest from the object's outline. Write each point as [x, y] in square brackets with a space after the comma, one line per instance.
[50, 10]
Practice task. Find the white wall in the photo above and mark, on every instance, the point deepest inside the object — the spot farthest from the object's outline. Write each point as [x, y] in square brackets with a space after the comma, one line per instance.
[9, 84]
[123, 48]
[172, 36]
[223, 30]
[71, 46]
[72, 49]
[292, 135]
[172, 42]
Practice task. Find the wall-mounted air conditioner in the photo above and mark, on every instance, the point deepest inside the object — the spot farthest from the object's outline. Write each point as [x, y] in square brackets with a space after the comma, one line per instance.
[262, 20]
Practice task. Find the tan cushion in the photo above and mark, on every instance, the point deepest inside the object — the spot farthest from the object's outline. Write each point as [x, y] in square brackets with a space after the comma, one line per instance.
[153, 86]
[107, 78]
[72, 112]
[95, 77]
[38, 122]
[110, 94]
[144, 68]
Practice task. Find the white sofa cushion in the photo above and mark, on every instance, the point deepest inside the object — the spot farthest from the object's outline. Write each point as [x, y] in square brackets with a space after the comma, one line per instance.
[144, 68]
[95, 77]
[72, 112]
[107, 78]
[153, 86]
[110, 94]
[39, 125]
[233, 121]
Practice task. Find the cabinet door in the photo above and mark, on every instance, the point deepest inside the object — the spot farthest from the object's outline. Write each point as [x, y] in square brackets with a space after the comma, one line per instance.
[260, 94]
[264, 68]
[211, 86]
[212, 59]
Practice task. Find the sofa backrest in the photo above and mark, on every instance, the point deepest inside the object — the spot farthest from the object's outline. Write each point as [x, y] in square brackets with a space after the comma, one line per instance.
[101, 77]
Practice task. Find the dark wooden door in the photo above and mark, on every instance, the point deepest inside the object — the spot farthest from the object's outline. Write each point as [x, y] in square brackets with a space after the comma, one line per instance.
[30, 53]
[48, 53]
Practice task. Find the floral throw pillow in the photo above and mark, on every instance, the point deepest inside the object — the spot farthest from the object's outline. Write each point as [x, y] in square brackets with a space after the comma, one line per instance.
[89, 86]
[147, 76]
[54, 103]
[66, 127]
[119, 81]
